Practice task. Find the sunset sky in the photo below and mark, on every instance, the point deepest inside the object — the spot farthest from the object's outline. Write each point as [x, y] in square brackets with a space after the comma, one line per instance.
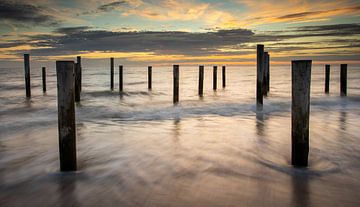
[158, 32]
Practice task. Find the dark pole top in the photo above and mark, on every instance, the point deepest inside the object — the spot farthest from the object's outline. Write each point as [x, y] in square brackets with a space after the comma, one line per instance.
[259, 46]
[65, 61]
[300, 61]
[62, 65]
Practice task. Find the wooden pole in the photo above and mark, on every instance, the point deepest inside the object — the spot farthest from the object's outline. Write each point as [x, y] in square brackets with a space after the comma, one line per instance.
[266, 63]
[78, 58]
[44, 79]
[112, 73]
[176, 84]
[327, 78]
[27, 75]
[77, 81]
[223, 76]
[300, 107]
[268, 73]
[66, 115]
[343, 79]
[259, 77]
[201, 80]
[214, 78]
[121, 83]
[149, 77]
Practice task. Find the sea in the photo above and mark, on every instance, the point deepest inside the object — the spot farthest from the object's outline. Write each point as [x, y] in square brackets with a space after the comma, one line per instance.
[137, 148]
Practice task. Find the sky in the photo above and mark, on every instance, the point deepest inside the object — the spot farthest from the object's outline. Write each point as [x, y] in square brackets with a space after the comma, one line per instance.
[163, 32]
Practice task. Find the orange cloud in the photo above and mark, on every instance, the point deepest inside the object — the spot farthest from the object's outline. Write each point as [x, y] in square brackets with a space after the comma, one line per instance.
[258, 12]
[102, 55]
[188, 10]
[273, 11]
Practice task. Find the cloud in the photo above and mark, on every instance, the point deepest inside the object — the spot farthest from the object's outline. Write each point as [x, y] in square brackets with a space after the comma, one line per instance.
[11, 44]
[317, 14]
[297, 15]
[111, 6]
[72, 30]
[108, 7]
[320, 31]
[24, 13]
[345, 29]
[77, 39]
[232, 44]
[163, 42]
[275, 11]
[168, 10]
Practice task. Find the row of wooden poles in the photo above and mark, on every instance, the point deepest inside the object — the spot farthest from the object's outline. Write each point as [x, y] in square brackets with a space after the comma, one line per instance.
[78, 78]
[69, 77]
[263, 77]
[300, 103]
[176, 76]
[77, 74]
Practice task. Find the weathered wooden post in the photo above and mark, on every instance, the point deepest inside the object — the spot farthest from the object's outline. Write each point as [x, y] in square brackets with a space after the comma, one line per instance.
[259, 77]
[327, 78]
[27, 75]
[121, 83]
[300, 107]
[343, 79]
[78, 60]
[149, 77]
[201, 80]
[268, 73]
[112, 73]
[77, 81]
[66, 115]
[176, 84]
[44, 78]
[223, 76]
[214, 78]
[266, 62]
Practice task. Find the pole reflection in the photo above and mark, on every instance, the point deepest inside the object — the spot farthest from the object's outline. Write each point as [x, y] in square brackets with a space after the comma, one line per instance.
[300, 189]
[67, 190]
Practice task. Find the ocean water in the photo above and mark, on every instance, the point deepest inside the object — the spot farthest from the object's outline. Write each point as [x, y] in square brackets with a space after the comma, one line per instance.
[139, 149]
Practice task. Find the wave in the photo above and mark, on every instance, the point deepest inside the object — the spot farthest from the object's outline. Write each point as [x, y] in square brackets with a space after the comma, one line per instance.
[117, 93]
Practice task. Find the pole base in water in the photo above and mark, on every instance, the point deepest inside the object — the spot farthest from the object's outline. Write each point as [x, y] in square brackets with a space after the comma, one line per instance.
[299, 155]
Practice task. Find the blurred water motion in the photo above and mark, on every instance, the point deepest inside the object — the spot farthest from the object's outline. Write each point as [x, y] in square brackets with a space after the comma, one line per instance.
[140, 150]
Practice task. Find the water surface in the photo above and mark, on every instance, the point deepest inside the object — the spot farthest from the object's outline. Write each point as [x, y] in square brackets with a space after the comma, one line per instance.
[138, 149]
